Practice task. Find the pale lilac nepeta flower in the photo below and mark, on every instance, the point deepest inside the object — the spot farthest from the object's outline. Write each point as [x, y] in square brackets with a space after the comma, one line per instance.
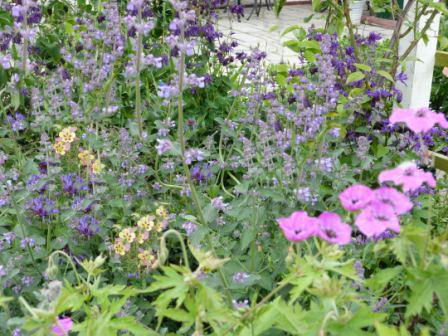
[397, 200]
[299, 226]
[62, 326]
[333, 230]
[356, 197]
[240, 277]
[418, 120]
[377, 218]
[189, 227]
[242, 304]
[408, 175]
[163, 146]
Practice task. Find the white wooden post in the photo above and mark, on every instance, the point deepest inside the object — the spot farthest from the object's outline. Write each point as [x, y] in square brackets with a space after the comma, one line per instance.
[420, 67]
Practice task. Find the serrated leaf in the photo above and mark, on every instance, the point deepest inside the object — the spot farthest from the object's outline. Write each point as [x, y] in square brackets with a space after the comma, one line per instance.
[421, 297]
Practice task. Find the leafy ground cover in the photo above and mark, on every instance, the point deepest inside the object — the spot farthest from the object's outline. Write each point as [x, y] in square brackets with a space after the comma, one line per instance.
[154, 181]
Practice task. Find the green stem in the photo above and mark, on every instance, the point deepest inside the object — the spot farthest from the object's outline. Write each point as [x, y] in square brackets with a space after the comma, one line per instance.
[182, 244]
[16, 208]
[180, 130]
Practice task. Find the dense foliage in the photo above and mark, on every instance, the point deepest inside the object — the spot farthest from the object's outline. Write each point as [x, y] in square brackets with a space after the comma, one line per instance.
[156, 180]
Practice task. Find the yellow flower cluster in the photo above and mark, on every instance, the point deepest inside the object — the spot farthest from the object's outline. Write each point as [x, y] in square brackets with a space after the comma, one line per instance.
[147, 226]
[88, 159]
[66, 137]
[147, 259]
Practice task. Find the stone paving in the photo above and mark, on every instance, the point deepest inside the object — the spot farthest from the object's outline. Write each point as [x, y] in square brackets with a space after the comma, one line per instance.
[259, 31]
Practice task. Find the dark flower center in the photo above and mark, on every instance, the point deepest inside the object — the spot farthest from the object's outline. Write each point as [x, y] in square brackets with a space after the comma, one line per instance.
[330, 233]
[297, 231]
[420, 114]
[381, 218]
[409, 172]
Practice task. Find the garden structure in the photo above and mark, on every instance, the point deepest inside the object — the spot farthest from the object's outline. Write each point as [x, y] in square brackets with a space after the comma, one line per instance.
[171, 167]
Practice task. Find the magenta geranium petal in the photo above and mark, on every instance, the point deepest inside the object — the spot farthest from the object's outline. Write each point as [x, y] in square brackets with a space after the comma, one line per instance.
[333, 230]
[397, 200]
[377, 218]
[399, 115]
[409, 176]
[356, 197]
[62, 326]
[418, 120]
[299, 226]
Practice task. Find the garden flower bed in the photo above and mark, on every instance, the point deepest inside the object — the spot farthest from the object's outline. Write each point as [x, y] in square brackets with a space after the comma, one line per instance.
[155, 181]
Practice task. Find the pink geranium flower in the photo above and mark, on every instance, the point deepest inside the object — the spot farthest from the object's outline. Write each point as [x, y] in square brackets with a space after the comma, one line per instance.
[407, 175]
[62, 326]
[333, 230]
[377, 218]
[356, 197]
[397, 200]
[418, 120]
[299, 226]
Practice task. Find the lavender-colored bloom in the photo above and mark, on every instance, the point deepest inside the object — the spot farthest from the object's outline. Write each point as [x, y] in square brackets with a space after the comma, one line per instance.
[380, 305]
[27, 242]
[193, 154]
[42, 206]
[73, 184]
[359, 269]
[219, 204]
[189, 227]
[2, 271]
[16, 332]
[27, 280]
[242, 304]
[163, 146]
[9, 237]
[87, 225]
[240, 277]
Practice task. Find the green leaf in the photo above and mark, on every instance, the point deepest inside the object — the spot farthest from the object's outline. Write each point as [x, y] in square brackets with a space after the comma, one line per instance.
[383, 330]
[290, 29]
[379, 280]
[355, 76]
[385, 75]
[421, 297]
[130, 324]
[364, 67]
[179, 315]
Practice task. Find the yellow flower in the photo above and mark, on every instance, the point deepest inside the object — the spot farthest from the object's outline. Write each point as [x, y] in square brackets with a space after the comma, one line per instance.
[60, 147]
[119, 248]
[97, 167]
[142, 237]
[67, 135]
[160, 225]
[147, 259]
[86, 157]
[146, 222]
[127, 235]
[161, 211]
